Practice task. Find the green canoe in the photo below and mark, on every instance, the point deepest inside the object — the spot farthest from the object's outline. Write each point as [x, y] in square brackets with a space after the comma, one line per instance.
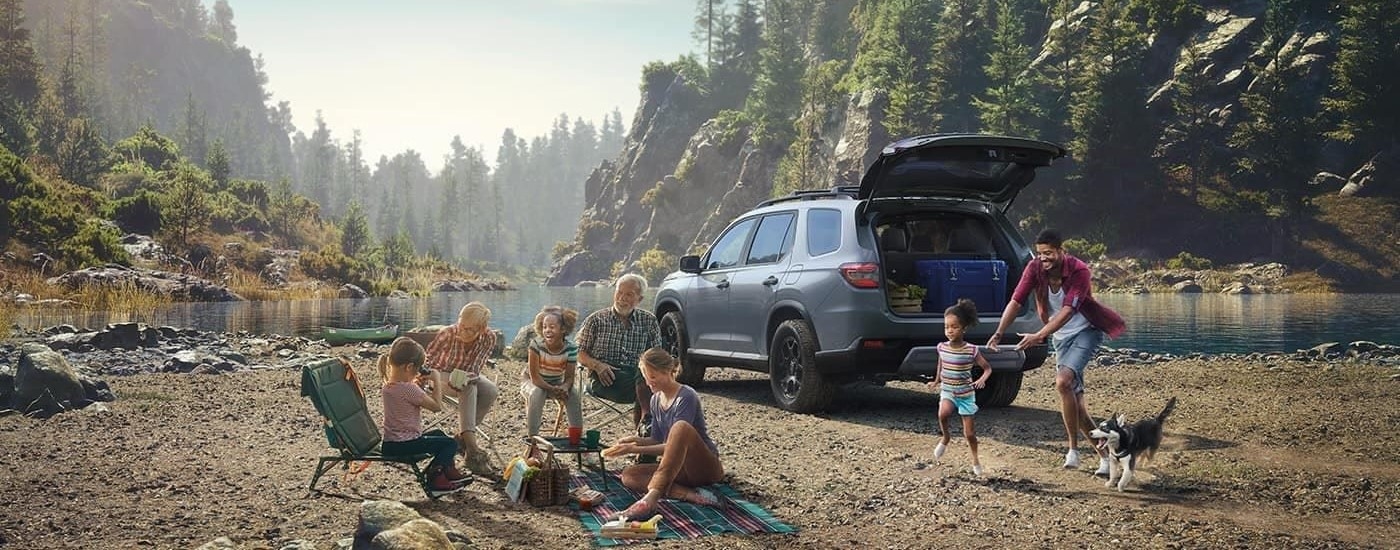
[337, 336]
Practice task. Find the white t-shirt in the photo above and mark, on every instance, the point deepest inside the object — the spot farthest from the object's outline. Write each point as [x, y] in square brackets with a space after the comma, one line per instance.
[1076, 323]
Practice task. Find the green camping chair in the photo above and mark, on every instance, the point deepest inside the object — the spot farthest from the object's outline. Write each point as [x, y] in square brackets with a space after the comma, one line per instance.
[335, 391]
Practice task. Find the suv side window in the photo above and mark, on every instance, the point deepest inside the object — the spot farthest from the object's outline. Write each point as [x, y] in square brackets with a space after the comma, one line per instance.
[771, 241]
[729, 249]
[823, 231]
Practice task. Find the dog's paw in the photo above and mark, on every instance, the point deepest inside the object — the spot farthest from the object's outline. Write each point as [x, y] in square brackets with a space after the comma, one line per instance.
[1109, 483]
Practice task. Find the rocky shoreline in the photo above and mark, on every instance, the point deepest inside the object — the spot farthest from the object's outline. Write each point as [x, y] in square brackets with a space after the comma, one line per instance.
[125, 349]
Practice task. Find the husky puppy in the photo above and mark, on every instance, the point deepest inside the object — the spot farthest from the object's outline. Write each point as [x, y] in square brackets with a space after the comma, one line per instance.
[1127, 442]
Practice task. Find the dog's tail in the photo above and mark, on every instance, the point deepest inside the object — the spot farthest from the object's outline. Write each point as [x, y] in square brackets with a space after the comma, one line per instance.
[1167, 410]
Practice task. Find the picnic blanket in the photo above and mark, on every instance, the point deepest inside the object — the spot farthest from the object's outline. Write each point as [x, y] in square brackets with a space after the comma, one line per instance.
[679, 519]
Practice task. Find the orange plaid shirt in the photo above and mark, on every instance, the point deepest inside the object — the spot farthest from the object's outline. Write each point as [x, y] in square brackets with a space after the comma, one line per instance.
[447, 353]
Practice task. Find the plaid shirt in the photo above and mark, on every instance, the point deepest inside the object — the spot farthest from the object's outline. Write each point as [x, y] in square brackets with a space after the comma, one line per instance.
[447, 353]
[608, 339]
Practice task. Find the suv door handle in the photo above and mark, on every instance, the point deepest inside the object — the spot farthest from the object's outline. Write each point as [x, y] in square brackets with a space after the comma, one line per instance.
[722, 284]
[771, 280]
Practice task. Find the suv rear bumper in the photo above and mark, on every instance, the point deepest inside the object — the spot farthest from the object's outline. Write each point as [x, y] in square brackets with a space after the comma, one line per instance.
[889, 358]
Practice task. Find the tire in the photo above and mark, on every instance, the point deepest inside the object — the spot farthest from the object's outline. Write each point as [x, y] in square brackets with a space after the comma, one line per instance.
[1001, 390]
[676, 341]
[792, 369]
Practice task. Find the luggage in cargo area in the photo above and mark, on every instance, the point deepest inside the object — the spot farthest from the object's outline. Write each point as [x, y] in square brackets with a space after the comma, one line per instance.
[982, 281]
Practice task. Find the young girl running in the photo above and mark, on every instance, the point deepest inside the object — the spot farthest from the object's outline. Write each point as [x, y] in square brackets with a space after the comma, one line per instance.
[954, 379]
[404, 400]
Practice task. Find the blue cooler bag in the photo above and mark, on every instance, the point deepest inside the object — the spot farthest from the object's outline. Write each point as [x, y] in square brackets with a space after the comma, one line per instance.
[982, 281]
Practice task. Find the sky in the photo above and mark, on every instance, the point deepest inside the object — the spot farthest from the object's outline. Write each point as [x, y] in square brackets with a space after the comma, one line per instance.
[411, 74]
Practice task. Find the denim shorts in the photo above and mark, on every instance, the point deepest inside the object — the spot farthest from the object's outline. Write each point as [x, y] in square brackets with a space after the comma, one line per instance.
[1074, 353]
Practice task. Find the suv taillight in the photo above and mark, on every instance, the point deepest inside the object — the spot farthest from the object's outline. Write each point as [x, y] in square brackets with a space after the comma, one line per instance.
[861, 275]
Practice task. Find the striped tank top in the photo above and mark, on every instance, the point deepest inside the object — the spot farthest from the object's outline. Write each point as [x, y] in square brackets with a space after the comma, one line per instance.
[957, 368]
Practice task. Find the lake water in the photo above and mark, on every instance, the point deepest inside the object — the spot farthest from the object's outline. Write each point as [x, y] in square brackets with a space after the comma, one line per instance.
[1166, 323]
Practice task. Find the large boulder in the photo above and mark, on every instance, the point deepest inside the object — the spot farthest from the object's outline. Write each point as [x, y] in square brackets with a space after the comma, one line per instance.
[45, 384]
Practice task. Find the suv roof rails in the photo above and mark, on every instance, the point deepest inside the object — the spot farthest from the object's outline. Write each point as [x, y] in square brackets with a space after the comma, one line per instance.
[838, 192]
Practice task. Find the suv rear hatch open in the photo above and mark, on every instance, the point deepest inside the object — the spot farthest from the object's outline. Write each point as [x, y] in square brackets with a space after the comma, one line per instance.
[988, 168]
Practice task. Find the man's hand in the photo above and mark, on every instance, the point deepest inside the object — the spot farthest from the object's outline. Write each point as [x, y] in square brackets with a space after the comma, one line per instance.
[604, 372]
[1028, 340]
[993, 341]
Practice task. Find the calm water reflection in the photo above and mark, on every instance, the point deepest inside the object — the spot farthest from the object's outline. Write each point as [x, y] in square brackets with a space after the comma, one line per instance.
[1172, 323]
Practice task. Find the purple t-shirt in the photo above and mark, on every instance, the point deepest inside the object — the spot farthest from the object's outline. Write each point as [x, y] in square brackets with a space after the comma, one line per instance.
[686, 406]
[403, 417]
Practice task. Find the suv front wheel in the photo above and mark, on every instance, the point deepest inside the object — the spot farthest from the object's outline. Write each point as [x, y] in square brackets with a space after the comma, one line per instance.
[792, 369]
[673, 338]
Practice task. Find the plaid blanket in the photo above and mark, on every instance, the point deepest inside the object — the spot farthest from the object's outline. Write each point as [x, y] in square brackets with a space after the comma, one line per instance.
[679, 519]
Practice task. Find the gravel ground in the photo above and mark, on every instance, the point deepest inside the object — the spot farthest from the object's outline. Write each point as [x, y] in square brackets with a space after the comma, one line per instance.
[1280, 454]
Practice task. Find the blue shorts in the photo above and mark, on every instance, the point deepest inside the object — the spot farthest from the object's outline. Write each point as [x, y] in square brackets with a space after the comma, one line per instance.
[1074, 353]
[967, 404]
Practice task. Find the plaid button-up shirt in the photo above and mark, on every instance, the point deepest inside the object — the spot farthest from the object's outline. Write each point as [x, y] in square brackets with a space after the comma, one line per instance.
[447, 353]
[609, 339]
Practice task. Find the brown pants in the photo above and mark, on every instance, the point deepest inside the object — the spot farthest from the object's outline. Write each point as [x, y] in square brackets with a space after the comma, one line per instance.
[686, 461]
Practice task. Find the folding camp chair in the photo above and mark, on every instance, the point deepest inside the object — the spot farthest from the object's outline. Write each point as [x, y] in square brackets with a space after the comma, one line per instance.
[606, 411]
[335, 391]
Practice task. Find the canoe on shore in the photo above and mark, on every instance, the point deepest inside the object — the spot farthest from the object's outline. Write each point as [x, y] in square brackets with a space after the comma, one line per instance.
[337, 336]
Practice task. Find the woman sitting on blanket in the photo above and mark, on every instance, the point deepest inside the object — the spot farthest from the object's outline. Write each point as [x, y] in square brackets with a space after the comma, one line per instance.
[689, 458]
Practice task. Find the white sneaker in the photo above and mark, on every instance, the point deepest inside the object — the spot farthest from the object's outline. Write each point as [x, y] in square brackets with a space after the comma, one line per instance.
[939, 450]
[977, 470]
[1103, 467]
[1072, 459]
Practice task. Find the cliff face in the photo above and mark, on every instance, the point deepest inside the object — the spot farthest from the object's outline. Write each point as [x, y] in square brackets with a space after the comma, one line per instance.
[681, 178]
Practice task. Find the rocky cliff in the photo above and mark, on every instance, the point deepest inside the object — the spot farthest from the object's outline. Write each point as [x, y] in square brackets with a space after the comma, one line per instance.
[682, 176]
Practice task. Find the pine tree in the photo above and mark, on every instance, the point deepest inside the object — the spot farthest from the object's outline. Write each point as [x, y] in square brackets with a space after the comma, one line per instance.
[81, 156]
[1106, 109]
[1010, 107]
[1191, 126]
[186, 208]
[218, 165]
[772, 105]
[223, 27]
[354, 230]
[956, 73]
[1362, 98]
[1274, 142]
[19, 79]
[193, 133]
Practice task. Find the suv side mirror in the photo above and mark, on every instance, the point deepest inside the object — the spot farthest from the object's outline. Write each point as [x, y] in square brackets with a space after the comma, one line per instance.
[690, 264]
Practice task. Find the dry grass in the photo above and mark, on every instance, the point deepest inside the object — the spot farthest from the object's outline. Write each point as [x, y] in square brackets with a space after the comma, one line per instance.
[252, 287]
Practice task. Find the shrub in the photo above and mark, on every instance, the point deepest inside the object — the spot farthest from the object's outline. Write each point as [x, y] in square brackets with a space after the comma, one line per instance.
[1086, 248]
[139, 213]
[655, 264]
[1186, 260]
[330, 264]
[595, 233]
[95, 243]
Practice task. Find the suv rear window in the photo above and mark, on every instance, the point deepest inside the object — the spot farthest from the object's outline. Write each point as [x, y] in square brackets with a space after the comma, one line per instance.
[823, 231]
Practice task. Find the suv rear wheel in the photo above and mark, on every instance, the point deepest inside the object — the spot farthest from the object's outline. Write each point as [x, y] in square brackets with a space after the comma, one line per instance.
[673, 338]
[1001, 389]
[792, 363]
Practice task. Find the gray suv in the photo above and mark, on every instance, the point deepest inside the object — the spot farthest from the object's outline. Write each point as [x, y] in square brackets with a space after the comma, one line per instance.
[825, 287]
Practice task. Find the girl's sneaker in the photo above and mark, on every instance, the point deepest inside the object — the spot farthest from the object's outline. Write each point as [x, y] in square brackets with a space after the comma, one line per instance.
[939, 450]
[977, 470]
[457, 476]
[439, 484]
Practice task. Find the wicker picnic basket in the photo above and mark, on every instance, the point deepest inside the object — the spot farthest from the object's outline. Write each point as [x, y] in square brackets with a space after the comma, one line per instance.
[550, 485]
